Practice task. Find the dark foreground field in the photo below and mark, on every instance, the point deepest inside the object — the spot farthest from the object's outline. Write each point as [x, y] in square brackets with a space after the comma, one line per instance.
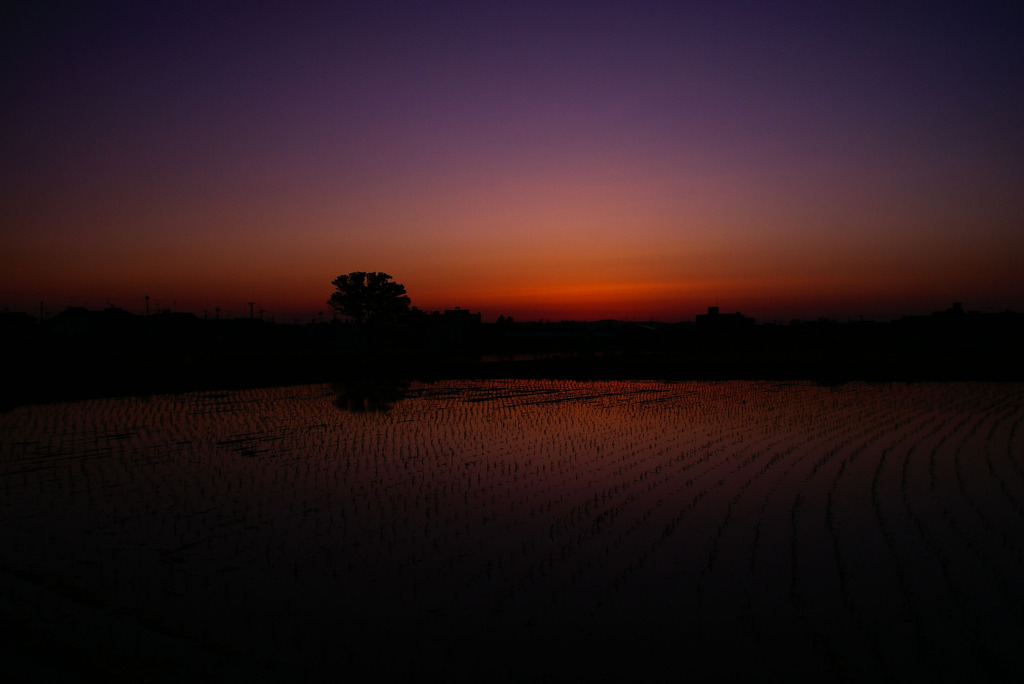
[518, 530]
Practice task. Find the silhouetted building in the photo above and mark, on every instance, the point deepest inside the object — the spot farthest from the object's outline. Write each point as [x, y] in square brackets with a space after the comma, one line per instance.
[461, 317]
[956, 311]
[714, 320]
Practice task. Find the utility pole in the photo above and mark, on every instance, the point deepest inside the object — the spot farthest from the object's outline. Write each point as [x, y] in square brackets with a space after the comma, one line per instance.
[250, 310]
[147, 305]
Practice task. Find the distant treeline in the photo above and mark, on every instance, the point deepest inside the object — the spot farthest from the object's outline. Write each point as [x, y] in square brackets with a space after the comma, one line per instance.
[80, 352]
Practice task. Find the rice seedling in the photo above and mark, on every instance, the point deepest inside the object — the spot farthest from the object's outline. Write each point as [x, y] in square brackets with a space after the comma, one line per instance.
[860, 529]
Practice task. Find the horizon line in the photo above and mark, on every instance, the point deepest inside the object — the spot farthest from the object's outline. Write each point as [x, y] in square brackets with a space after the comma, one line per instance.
[306, 317]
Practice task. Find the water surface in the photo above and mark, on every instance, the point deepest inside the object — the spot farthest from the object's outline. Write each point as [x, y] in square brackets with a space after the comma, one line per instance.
[518, 527]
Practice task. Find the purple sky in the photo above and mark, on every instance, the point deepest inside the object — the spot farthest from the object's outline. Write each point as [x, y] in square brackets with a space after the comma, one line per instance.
[580, 160]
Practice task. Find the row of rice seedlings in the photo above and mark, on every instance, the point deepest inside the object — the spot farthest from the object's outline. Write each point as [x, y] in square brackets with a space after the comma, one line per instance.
[991, 496]
[701, 491]
[850, 539]
[544, 506]
[854, 521]
[902, 637]
[750, 503]
[513, 477]
[931, 514]
[858, 536]
[579, 514]
[834, 490]
[972, 520]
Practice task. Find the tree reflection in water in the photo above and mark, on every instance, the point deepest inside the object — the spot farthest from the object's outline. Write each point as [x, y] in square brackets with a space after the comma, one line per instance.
[364, 395]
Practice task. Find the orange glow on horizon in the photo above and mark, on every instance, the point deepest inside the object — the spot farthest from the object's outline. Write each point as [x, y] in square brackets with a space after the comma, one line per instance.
[564, 169]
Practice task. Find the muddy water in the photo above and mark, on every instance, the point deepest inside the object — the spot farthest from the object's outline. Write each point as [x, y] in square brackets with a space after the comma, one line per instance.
[499, 527]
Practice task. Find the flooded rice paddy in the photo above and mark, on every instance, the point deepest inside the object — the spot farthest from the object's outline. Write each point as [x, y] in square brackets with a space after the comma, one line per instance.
[520, 530]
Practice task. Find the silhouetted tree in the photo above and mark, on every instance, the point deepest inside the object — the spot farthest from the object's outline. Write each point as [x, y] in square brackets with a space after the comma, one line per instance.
[372, 298]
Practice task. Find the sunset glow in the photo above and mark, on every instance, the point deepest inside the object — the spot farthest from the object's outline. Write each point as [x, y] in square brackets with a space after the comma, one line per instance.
[618, 160]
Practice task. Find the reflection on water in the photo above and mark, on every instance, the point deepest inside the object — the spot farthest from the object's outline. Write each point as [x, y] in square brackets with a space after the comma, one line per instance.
[367, 395]
[499, 527]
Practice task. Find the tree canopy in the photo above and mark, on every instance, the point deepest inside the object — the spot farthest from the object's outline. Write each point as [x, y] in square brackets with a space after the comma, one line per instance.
[369, 298]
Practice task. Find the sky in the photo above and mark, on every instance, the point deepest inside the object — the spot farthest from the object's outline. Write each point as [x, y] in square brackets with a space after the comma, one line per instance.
[557, 160]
